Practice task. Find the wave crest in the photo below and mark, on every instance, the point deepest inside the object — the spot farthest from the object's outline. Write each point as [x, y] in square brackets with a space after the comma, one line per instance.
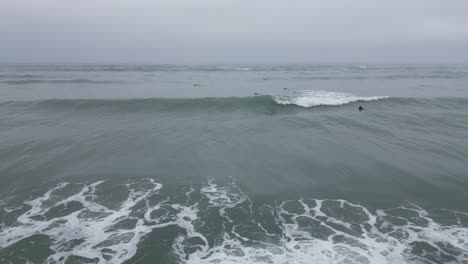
[316, 98]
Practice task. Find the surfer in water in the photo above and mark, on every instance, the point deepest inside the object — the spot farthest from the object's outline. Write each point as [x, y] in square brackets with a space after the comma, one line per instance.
[360, 108]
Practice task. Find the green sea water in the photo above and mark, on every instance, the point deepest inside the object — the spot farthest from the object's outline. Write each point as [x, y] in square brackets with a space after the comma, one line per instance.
[186, 164]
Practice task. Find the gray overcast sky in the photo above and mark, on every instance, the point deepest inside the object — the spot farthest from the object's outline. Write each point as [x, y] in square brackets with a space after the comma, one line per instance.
[234, 31]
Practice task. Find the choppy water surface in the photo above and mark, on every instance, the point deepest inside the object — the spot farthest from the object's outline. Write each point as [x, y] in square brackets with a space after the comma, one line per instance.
[185, 164]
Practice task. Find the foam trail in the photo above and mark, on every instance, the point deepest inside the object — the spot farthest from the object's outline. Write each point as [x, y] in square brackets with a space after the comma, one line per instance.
[90, 228]
[223, 197]
[316, 98]
[293, 231]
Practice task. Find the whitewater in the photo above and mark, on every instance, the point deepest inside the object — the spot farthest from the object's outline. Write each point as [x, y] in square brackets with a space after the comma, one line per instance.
[233, 164]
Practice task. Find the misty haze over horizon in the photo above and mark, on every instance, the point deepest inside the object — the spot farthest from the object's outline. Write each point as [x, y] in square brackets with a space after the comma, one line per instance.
[234, 32]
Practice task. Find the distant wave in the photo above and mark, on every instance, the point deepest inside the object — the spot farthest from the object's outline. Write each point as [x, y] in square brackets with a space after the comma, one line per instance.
[20, 76]
[315, 71]
[57, 81]
[141, 68]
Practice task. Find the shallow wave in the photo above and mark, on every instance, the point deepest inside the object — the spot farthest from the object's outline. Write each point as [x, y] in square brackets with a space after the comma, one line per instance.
[220, 224]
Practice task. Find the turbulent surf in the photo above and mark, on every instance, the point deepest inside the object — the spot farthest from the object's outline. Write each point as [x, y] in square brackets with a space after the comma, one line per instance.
[186, 164]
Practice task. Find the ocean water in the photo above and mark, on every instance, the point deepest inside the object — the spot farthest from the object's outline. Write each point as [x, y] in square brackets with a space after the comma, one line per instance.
[233, 164]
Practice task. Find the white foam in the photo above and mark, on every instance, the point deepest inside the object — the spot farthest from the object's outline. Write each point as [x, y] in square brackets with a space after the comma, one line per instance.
[298, 245]
[223, 197]
[296, 231]
[363, 238]
[316, 98]
[92, 225]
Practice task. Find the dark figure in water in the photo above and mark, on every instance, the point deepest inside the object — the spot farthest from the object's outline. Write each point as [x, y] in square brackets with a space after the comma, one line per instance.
[360, 108]
[257, 94]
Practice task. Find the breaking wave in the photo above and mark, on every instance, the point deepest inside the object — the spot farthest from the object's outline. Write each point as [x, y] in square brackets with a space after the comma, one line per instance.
[261, 104]
[303, 99]
[316, 98]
